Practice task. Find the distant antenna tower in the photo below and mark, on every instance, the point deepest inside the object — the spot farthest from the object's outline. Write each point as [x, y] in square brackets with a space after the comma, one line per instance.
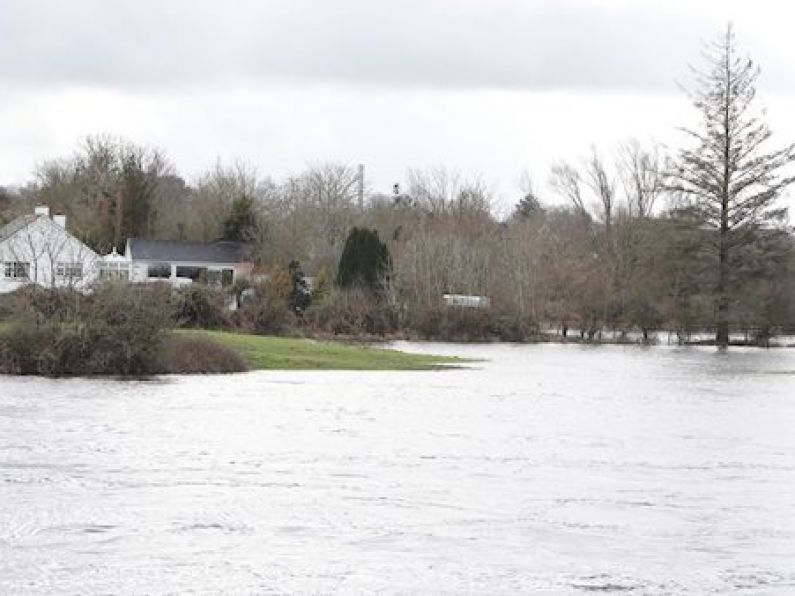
[360, 191]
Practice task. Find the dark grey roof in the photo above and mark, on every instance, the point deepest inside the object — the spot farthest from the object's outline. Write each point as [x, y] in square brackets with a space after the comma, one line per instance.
[15, 225]
[171, 251]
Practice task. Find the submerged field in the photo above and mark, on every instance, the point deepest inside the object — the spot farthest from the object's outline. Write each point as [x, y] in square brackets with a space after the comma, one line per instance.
[266, 352]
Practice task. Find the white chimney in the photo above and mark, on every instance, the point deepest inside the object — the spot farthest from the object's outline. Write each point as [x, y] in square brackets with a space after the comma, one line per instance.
[42, 210]
[60, 220]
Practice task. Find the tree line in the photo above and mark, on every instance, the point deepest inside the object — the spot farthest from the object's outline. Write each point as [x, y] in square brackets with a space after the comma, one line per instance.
[639, 238]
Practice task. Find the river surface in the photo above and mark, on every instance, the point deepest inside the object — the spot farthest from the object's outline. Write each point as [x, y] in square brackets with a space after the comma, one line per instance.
[543, 469]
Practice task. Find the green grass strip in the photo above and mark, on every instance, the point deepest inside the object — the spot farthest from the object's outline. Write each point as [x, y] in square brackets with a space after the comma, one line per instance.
[285, 353]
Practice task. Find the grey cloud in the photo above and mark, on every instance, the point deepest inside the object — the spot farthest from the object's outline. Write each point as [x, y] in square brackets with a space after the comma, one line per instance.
[441, 43]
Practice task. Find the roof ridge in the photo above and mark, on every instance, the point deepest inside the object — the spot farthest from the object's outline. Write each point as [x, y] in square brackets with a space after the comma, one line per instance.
[210, 243]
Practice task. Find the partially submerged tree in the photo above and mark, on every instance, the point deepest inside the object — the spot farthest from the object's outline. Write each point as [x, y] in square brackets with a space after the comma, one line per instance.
[730, 178]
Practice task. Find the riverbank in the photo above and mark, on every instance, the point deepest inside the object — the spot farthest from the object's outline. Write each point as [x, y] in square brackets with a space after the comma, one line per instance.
[205, 352]
[605, 338]
[262, 352]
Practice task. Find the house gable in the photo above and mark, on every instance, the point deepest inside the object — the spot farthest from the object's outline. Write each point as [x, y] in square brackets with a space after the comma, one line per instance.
[36, 249]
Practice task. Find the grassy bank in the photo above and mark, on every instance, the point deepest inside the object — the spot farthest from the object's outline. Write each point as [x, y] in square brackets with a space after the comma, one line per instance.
[266, 352]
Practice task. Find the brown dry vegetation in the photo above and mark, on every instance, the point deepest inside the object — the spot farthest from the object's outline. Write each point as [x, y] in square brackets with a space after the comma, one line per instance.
[186, 354]
[632, 241]
[624, 257]
[116, 330]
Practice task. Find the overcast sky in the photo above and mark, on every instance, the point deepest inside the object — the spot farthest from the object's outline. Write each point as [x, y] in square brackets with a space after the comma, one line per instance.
[490, 86]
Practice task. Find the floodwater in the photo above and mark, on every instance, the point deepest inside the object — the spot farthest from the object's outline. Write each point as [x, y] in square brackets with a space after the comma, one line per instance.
[543, 469]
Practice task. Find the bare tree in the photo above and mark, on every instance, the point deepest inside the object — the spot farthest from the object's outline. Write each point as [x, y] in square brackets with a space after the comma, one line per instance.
[332, 190]
[642, 174]
[566, 181]
[213, 195]
[434, 189]
[603, 187]
[441, 190]
[108, 188]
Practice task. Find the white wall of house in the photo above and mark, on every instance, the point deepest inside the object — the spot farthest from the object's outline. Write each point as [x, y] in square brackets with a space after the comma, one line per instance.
[43, 252]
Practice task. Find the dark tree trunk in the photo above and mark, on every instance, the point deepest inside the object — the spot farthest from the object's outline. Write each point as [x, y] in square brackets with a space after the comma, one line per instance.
[722, 334]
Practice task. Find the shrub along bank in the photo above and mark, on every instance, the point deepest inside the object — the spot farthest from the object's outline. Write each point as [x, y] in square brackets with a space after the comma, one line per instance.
[128, 330]
[116, 330]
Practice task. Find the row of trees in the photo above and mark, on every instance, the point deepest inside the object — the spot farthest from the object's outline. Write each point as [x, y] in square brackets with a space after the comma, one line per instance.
[636, 238]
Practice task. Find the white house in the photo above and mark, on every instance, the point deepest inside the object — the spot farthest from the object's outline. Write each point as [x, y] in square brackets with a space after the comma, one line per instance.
[180, 262]
[37, 248]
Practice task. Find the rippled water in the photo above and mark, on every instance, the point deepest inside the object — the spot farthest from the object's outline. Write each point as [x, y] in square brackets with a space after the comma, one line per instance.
[549, 469]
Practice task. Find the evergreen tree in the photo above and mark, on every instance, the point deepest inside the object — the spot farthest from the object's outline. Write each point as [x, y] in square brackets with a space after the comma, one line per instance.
[364, 262]
[731, 181]
[529, 206]
[241, 223]
[135, 197]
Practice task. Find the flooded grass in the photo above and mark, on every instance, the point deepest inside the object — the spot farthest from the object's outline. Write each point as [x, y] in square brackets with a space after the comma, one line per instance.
[284, 353]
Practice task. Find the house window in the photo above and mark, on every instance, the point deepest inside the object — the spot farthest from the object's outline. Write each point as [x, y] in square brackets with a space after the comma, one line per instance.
[69, 270]
[198, 274]
[159, 270]
[17, 270]
[114, 271]
[220, 277]
[213, 277]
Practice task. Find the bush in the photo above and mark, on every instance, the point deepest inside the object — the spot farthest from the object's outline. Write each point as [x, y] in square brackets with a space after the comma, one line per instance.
[41, 304]
[452, 324]
[352, 312]
[199, 355]
[471, 324]
[117, 330]
[265, 309]
[200, 306]
[7, 305]
[128, 323]
[513, 328]
[26, 349]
